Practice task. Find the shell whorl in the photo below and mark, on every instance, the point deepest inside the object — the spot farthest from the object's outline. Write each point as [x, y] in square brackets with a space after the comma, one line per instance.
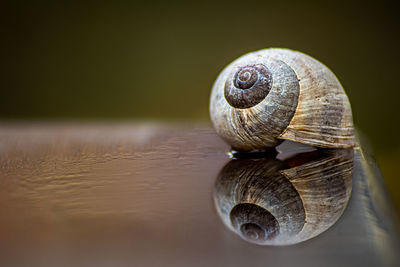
[270, 202]
[255, 124]
[271, 95]
[254, 222]
[248, 86]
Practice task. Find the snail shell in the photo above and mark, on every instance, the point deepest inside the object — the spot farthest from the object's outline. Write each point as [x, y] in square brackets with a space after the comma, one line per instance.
[274, 94]
[270, 202]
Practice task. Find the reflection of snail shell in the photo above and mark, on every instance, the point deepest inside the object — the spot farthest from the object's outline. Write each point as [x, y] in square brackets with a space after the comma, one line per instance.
[268, 203]
[274, 94]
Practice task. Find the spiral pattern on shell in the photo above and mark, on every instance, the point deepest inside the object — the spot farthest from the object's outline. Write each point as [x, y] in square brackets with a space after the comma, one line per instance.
[248, 86]
[271, 95]
[254, 222]
[270, 202]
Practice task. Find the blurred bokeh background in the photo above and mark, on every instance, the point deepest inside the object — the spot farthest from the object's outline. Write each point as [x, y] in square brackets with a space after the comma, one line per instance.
[158, 59]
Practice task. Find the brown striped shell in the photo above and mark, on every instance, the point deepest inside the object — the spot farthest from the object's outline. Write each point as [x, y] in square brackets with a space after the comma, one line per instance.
[270, 202]
[273, 94]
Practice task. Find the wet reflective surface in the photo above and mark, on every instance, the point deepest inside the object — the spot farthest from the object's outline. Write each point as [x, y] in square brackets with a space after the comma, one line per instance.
[128, 194]
[271, 202]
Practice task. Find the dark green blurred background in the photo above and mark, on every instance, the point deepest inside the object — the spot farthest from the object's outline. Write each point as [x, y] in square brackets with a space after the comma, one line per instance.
[158, 60]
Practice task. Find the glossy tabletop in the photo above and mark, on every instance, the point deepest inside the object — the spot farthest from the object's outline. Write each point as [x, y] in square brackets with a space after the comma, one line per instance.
[148, 194]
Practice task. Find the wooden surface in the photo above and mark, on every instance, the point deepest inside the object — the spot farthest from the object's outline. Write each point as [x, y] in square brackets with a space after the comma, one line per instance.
[125, 194]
